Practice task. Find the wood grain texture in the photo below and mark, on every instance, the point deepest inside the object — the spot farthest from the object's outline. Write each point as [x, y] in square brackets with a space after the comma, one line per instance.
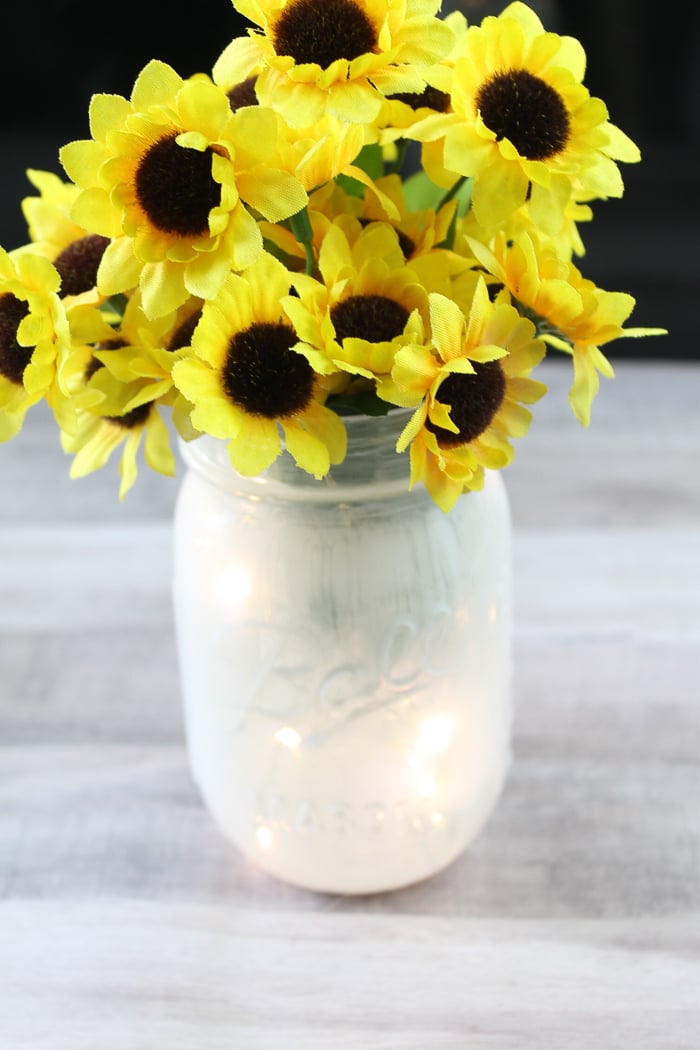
[573, 922]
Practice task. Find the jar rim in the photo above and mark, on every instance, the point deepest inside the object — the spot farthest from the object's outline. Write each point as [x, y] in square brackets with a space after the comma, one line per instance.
[372, 468]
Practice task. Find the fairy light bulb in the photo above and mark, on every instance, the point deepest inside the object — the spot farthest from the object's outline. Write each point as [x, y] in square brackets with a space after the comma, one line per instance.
[288, 737]
[434, 735]
[263, 837]
[232, 586]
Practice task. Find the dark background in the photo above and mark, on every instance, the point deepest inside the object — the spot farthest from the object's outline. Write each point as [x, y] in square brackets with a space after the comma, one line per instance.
[646, 67]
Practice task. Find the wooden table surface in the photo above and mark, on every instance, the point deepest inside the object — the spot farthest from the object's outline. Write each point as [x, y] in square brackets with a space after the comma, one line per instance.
[127, 923]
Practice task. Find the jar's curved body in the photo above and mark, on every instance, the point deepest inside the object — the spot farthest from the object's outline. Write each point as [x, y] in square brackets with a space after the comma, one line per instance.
[345, 656]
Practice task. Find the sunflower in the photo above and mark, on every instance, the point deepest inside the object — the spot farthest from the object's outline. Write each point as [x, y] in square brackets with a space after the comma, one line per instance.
[96, 435]
[337, 56]
[421, 233]
[566, 242]
[168, 177]
[523, 126]
[470, 387]
[75, 252]
[34, 336]
[364, 306]
[133, 352]
[576, 316]
[314, 155]
[248, 381]
[402, 110]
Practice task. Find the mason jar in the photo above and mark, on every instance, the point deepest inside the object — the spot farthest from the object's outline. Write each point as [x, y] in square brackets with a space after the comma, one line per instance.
[345, 656]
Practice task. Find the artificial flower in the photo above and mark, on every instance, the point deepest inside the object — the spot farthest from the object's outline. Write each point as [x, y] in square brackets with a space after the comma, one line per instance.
[250, 385]
[575, 315]
[170, 177]
[336, 56]
[362, 307]
[470, 386]
[94, 437]
[75, 252]
[33, 336]
[522, 125]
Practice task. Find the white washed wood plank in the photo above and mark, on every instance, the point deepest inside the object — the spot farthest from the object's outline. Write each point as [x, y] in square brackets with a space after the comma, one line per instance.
[590, 580]
[636, 465]
[119, 685]
[192, 975]
[599, 698]
[34, 475]
[607, 697]
[91, 577]
[571, 837]
[109, 556]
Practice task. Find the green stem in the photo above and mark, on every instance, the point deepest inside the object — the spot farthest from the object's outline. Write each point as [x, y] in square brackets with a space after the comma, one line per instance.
[401, 151]
[452, 192]
[300, 225]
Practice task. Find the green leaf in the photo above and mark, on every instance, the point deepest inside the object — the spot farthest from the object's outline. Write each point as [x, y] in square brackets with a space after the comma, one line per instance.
[371, 160]
[352, 187]
[290, 261]
[300, 225]
[420, 193]
[113, 308]
[365, 403]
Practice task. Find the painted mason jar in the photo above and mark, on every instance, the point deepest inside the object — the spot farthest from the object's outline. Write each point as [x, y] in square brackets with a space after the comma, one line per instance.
[345, 659]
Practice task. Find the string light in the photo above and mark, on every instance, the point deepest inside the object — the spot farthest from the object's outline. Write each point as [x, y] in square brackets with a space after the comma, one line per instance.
[434, 735]
[288, 737]
[263, 837]
[233, 585]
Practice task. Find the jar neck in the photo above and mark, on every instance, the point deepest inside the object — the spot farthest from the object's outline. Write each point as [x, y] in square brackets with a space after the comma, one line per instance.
[372, 468]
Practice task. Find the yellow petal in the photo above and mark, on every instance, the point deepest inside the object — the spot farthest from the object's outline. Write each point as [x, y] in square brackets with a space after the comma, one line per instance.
[308, 450]
[275, 194]
[498, 192]
[256, 447]
[157, 449]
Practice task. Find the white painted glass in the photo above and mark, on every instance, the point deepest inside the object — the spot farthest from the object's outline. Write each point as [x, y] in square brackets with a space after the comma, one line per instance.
[345, 656]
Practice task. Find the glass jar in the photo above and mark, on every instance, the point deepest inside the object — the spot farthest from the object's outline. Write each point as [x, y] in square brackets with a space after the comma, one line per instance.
[345, 658]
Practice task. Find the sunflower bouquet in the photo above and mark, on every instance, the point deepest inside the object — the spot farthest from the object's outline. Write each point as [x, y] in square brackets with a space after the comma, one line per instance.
[364, 206]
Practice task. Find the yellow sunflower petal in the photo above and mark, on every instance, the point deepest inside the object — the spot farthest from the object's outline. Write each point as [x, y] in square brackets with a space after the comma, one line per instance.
[157, 449]
[257, 446]
[330, 428]
[308, 451]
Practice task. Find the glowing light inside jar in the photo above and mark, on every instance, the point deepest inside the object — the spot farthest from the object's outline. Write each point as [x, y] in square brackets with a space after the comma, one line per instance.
[232, 585]
[288, 737]
[263, 837]
[434, 735]
[427, 786]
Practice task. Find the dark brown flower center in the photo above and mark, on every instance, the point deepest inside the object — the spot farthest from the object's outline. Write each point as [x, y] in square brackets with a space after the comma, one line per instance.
[13, 357]
[78, 263]
[474, 400]
[182, 336]
[430, 97]
[519, 106]
[138, 417]
[323, 31]
[375, 318]
[243, 94]
[263, 375]
[176, 189]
